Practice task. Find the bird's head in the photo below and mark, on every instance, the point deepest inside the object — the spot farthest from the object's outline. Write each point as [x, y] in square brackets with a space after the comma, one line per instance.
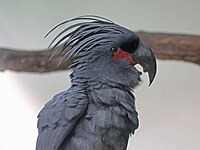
[104, 52]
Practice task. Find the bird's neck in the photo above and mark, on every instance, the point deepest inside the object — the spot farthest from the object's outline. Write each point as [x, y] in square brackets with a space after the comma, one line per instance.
[105, 72]
[127, 81]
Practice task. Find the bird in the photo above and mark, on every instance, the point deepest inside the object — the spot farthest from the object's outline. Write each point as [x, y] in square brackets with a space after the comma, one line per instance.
[97, 111]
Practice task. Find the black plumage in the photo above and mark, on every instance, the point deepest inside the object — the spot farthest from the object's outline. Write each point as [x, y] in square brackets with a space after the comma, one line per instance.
[98, 111]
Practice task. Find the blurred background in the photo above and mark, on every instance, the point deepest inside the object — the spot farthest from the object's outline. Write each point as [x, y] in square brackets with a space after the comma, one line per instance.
[169, 110]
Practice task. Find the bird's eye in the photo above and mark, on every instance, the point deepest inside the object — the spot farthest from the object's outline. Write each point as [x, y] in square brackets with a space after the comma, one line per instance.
[115, 50]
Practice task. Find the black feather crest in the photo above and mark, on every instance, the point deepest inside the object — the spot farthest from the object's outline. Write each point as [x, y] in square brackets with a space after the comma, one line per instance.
[87, 32]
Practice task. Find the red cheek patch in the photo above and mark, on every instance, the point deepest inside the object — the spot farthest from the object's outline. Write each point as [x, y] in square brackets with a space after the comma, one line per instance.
[120, 55]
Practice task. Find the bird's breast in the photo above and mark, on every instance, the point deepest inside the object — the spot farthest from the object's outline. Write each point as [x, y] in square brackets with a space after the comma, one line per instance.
[112, 108]
[109, 119]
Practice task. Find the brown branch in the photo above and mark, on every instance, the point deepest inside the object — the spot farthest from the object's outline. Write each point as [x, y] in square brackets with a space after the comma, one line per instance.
[30, 61]
[173, 46]
[165, 46]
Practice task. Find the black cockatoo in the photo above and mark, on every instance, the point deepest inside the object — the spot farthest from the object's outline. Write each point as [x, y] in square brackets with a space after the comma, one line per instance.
[98, 111]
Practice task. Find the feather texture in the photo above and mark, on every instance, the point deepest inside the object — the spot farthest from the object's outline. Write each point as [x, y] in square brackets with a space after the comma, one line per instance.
[85, 33]
[98, 111]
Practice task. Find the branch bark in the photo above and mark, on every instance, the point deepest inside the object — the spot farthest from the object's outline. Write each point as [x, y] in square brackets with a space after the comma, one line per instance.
[164, 46]
[173, 46]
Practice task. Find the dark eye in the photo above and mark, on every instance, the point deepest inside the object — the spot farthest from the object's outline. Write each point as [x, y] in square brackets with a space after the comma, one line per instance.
[114, 49]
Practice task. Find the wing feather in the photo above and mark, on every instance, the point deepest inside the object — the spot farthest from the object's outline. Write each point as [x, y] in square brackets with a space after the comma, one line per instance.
[58, 118]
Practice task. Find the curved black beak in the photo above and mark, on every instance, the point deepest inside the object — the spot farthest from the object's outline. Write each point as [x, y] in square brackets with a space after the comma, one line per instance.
[145, 57]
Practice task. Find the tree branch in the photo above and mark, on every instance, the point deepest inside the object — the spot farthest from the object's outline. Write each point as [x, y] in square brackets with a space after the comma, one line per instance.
[173, 46]
[164, 46]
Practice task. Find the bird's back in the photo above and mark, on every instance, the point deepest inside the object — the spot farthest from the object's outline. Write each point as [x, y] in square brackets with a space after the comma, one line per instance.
[104, 124]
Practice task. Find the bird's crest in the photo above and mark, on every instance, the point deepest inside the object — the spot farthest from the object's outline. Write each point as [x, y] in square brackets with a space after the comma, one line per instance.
[82, 34]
